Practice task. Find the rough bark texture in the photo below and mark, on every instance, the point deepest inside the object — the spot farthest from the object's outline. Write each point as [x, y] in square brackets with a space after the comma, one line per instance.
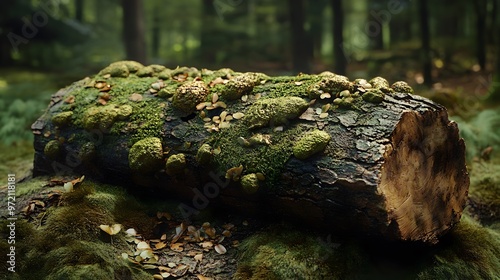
[350, 156]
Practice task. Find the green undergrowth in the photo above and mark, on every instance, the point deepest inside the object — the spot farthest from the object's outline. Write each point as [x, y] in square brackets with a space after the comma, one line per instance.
[285, 253]
[480, 132]
[68, 243]
[17, 158]
[468, 251]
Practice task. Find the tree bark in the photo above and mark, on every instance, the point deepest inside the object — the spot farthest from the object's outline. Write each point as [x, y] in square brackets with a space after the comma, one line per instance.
[339, 57]
[300, 41]
[394, 169]
[425, 38]
[133, 30]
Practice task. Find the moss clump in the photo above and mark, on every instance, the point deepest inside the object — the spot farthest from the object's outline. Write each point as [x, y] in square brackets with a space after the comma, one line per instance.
[291, 254]
[123, 112]
[146, 71]
[100, 118]
[469, 251]
[52, 149]
[240, 85]
[250, 183]
[87, 152]
[146, 155]
[104, 117]
[330, 83]
[175, 164]
[121, 68]
[62, 119]
[373, 96]
[402, 87]
[204, 154]
[381, 83]
[312, 142]
[190, 94]
[274, 111]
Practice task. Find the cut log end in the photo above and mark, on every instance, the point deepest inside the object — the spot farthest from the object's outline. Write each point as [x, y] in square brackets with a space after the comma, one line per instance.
[424, 179]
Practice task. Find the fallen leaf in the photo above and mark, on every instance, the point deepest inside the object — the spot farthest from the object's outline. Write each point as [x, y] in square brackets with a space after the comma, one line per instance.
[160, 245]
[111, 230]
[176, 247]
[219, 248]
[131, 232]
[198, 257]
[143, 246]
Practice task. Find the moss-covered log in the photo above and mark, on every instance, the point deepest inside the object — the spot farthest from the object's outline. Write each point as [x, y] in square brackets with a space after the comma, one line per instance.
[356, 156]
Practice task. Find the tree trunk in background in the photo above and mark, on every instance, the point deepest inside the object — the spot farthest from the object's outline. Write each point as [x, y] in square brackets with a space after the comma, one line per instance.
[300, 54]
[425, 38]
[339, 58]
[156, 34]
[207, 50]
[494, 94]
[79, 10]
[315, 16]
[133, 30]
[480, 7]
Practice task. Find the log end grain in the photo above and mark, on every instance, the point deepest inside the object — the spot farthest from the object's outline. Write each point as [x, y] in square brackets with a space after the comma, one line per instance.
[424, 178]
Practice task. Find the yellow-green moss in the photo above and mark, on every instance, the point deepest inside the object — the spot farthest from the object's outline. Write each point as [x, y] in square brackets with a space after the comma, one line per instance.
[204, 154]
[330, 83]
[147, 71]
[310, 143]
[175, 164]
[52, 149]
[123, 112]
[381, 83]
[100, 118]
[402, 87]
[240, 85]
[190, 94]
[250, 183]
[121, 68]
[146, 155]
[274, 111]
[373, 96]
[62, 119]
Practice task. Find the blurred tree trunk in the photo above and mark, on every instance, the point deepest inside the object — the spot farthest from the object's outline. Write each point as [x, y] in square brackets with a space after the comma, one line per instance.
[155, 30]
[315, 16]
[425, 38]
[339, 58]
[300, 53]
[480, 7]
[79, 10]
[494, 95]
[207, 51]
[133, 30]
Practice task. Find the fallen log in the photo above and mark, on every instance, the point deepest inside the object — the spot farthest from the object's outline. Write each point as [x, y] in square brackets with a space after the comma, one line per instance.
[354, 156]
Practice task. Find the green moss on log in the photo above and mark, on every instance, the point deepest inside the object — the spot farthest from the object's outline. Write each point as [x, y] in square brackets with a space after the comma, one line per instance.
[62, 119]
[311, 143]
[274, 111]
[146, 155]
[175, 164]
